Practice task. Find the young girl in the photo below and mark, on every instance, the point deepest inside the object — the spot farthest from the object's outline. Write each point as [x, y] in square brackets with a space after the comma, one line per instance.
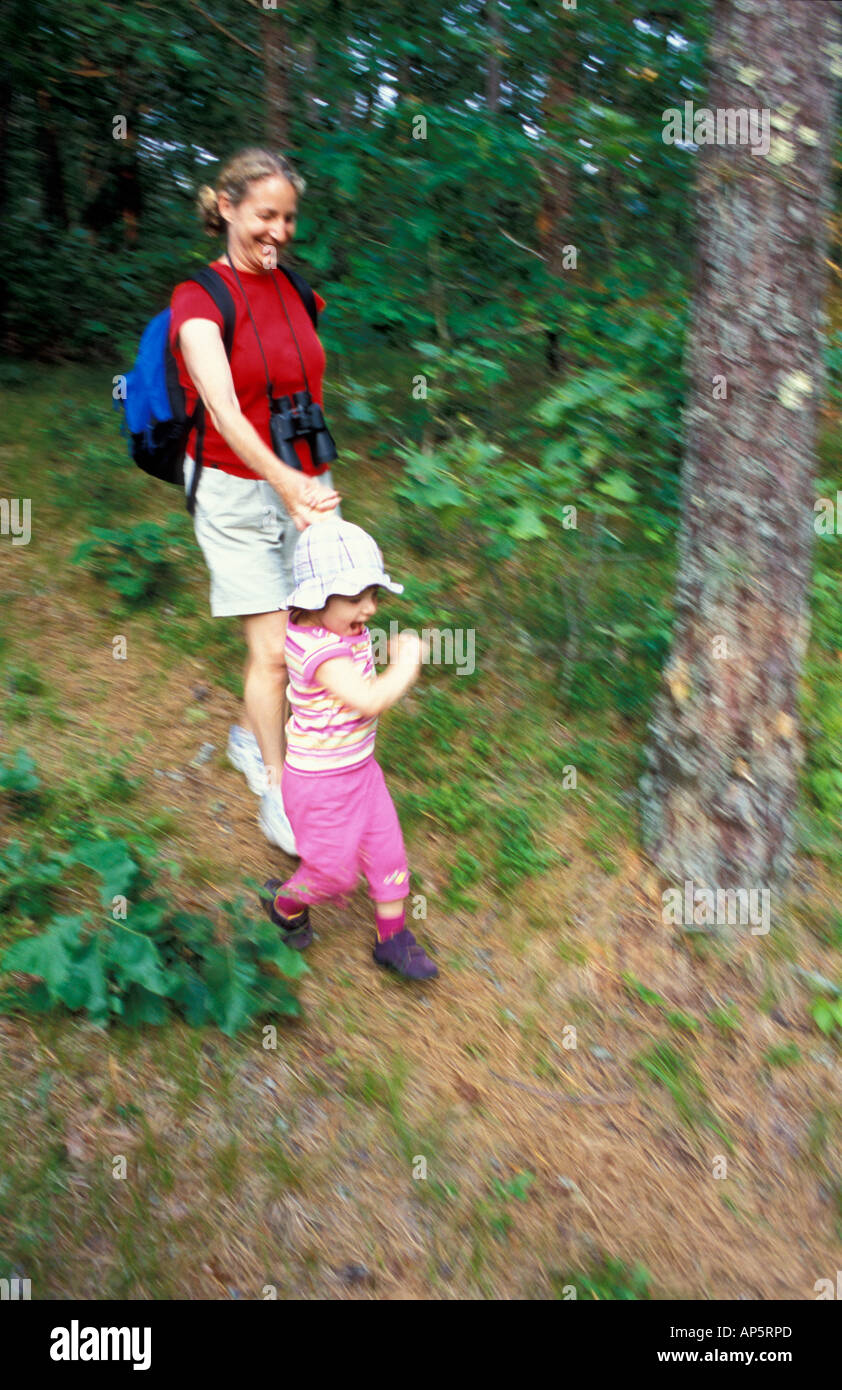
[342, 815]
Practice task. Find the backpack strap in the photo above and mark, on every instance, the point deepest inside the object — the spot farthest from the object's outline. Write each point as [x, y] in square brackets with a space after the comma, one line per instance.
[307, 296]
[212, 282]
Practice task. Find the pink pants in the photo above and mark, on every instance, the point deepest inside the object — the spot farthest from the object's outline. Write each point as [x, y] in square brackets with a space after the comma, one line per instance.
[345, 824]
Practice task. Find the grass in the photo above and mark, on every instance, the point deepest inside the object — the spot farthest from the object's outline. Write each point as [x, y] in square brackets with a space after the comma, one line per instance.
[676, 1072]
[608, 1279]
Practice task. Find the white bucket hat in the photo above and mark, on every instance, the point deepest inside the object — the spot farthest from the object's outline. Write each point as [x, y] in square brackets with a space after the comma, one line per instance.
[335, 557]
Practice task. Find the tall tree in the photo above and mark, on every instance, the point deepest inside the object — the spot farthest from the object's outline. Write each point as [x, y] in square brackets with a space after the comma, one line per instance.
[724, 747]
[556, 175]
[273, 38]
[495, 53]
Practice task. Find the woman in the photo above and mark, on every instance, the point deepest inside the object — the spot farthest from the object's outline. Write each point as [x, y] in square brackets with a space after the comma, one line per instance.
[250, 505]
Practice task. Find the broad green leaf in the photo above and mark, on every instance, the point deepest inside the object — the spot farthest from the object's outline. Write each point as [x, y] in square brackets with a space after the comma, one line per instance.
[85, 986]
[527, 524]
[618, 486]
[135, 959]
[231, 981]
[112, 861]
[50, 956]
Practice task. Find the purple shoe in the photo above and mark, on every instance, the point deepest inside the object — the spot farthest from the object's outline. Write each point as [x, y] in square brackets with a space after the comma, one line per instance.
[402, 953]
[296, 932]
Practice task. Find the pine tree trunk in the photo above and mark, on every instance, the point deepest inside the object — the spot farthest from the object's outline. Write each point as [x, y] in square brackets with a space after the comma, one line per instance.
[273, 39]
[556, 192]
[308, 52]
[724, 749]
[5, 119]
[495, 49]
[54, 200]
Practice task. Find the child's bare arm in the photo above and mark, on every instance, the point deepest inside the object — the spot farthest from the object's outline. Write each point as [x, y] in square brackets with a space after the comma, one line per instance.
[341, 677]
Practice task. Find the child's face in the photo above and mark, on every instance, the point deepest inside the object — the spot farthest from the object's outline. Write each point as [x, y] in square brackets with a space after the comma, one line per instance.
[348, 616]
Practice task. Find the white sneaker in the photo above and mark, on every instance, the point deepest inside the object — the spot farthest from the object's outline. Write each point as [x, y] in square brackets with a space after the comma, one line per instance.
[274, 823]
[244, 755]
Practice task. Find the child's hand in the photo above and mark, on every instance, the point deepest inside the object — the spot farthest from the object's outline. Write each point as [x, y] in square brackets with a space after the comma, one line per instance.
[407, 649]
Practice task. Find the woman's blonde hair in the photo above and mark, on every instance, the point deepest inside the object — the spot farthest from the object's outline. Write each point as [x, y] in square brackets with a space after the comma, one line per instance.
[244, 168]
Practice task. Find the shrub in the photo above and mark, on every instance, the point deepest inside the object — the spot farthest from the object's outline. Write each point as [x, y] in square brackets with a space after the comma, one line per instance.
[140, 564]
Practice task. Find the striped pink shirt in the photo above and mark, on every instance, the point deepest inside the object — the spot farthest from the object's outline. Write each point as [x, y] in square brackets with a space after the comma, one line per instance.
[323, 734]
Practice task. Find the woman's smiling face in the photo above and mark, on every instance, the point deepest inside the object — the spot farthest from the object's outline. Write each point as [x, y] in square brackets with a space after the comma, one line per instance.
[262, 224]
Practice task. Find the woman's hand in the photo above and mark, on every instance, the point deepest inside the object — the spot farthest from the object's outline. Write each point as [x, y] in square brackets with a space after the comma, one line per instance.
[309, 501]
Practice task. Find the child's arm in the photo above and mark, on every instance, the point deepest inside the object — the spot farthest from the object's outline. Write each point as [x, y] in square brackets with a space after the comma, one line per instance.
[341, 677]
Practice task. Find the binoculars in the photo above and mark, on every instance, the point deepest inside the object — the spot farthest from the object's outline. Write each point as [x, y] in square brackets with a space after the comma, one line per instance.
[299, 418]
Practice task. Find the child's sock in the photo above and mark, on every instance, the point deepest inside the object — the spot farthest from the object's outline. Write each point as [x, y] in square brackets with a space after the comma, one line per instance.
[288, 907]
[388, 926]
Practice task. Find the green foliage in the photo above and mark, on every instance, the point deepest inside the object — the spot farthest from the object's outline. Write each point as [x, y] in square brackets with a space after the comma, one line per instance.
[608, 1280]
[517, 856]
[18, 778]
[140, 958]
[826, 1013]
[492, 1212]
[25, 680]
[28, 878]
[465, 871]
[140, 564]
[686, 1022]
[726, 1020]
[93, 476]
[833, 365]
[784, 1055]
[676, 1073]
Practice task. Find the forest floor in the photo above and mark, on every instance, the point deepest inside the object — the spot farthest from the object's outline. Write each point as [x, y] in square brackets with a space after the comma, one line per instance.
[601, 1103]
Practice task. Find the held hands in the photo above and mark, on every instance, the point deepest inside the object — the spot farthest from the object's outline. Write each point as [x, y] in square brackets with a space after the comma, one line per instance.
[311, 501]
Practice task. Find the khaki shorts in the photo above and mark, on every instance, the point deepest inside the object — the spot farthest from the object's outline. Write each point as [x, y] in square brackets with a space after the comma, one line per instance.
[247, 539]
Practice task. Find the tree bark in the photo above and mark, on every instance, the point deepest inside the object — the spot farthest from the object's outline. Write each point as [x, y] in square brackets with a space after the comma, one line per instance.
[495, 48]
[724, 749]
[308, 51]
[5, 116]
[556, 194]
[273, 40]
[52, 172]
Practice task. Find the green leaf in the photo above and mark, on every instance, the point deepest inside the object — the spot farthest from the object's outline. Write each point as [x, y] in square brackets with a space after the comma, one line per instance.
[618, 486]
[823, 1016]
[189, 56]
[139, 1006]
[135, 960]
[85, 986]
[112, 861]
[19, 776]
[527, 524]
[48, 956]
[275, 998]
[231, 981]
[290, 963]
[192, 996]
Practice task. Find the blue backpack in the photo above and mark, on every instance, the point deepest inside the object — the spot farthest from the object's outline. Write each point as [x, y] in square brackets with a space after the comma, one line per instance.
[153, 402]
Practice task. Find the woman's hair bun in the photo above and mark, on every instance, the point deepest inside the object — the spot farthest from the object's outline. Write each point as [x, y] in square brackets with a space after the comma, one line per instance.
[208, 205]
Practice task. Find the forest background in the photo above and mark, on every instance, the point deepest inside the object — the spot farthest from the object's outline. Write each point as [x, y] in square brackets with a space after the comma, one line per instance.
[507, 245]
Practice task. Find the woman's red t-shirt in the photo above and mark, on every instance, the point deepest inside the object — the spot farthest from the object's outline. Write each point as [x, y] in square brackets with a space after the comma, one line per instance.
[190, 301]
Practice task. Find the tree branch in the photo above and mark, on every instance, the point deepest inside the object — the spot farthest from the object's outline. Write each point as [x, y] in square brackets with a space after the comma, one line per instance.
[531, 251]
[227, 32]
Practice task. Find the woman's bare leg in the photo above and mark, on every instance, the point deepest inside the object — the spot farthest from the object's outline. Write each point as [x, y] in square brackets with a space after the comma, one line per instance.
[245, 721]
[264, 687]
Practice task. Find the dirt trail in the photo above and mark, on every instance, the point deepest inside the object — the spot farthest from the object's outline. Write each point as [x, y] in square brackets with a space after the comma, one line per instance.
[491, 1091]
